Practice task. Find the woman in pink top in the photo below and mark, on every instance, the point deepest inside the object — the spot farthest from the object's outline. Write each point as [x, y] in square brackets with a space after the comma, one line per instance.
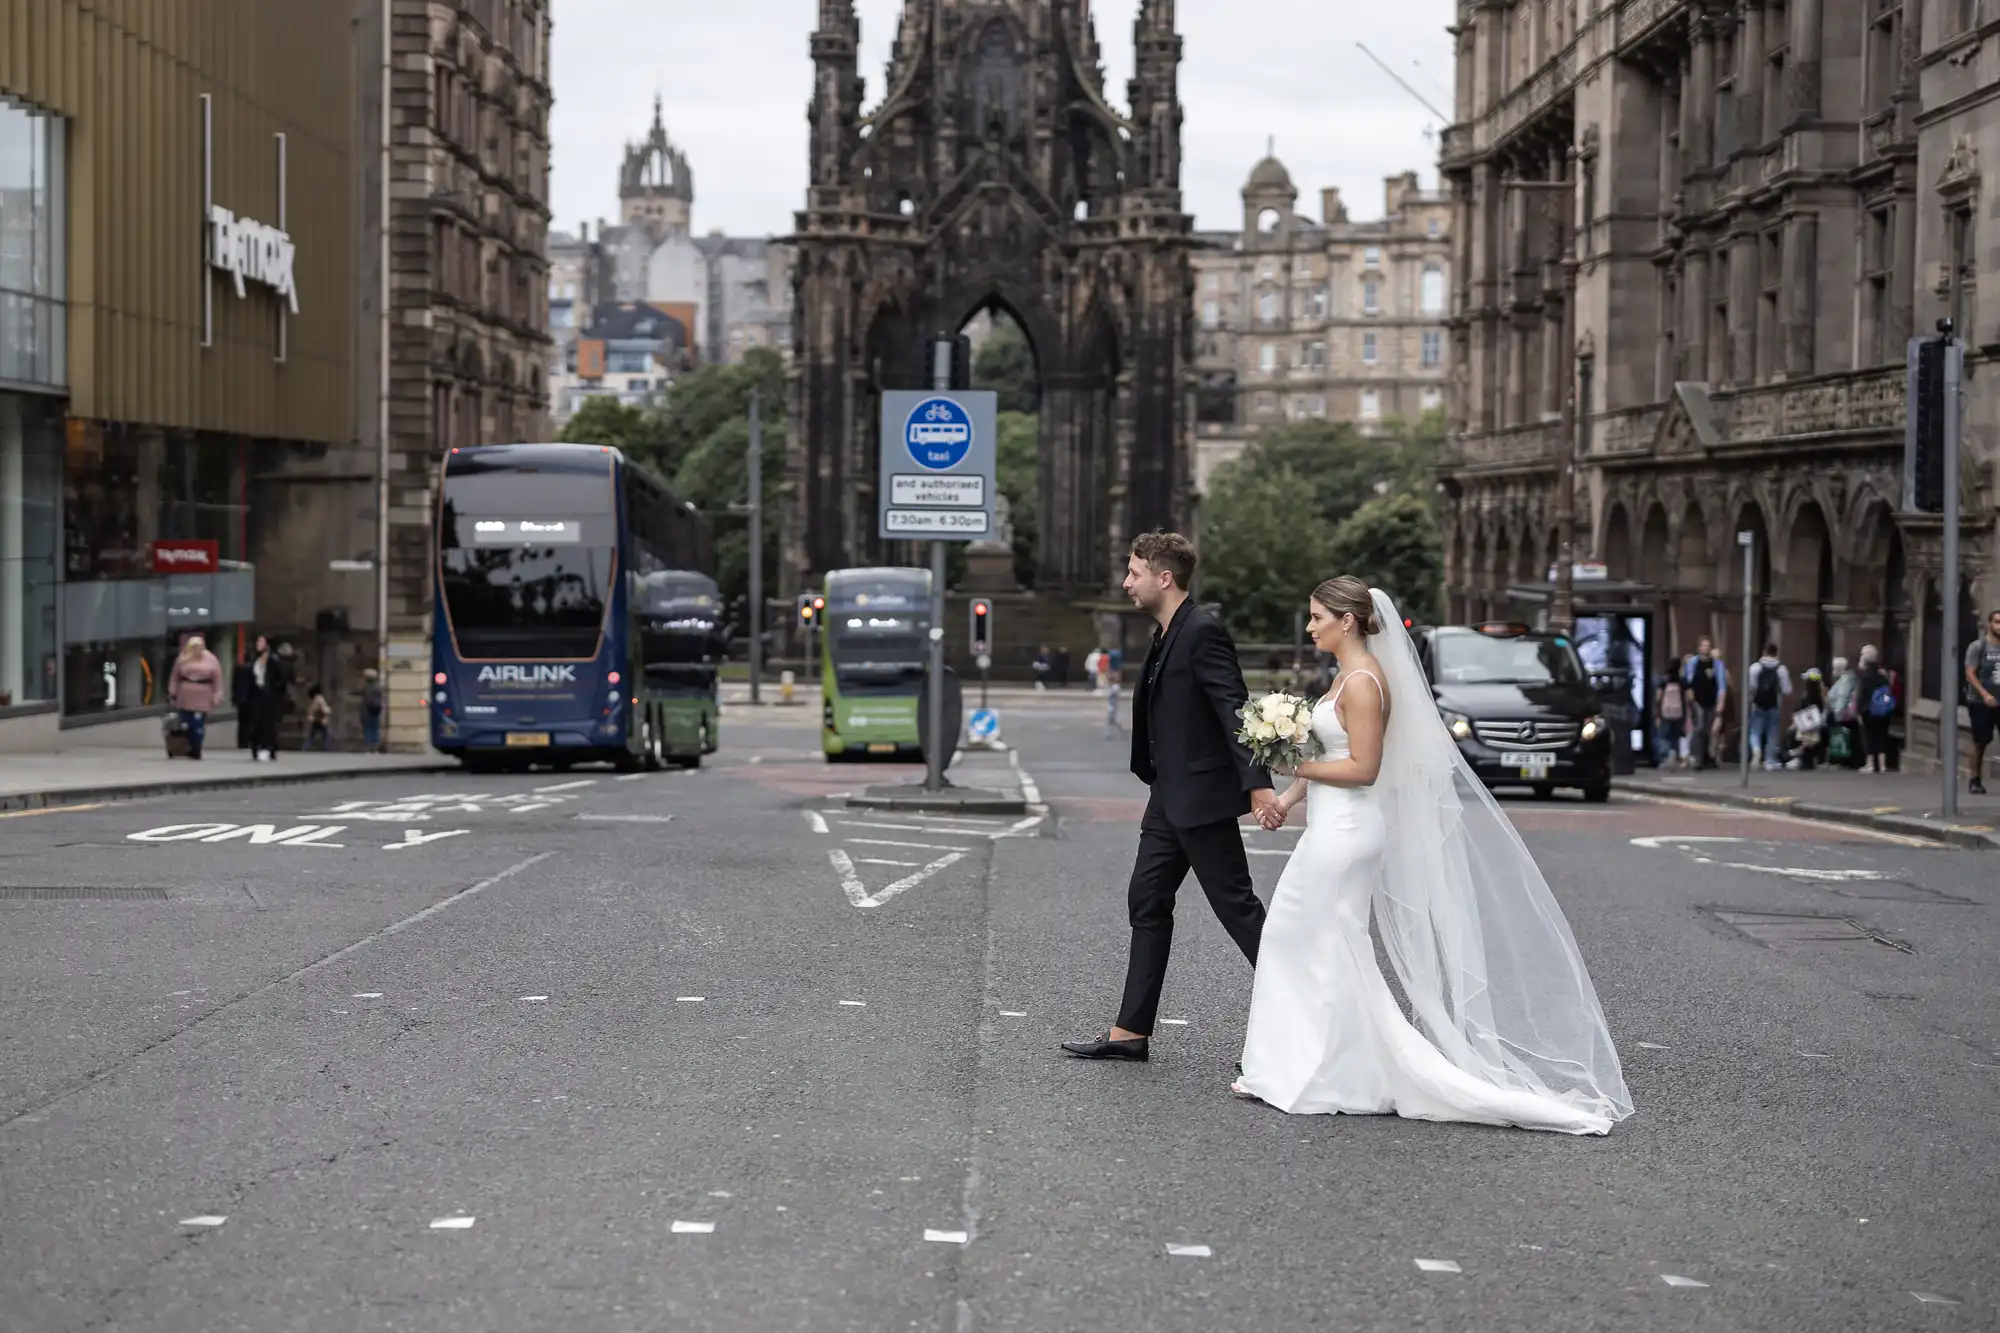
[195, 688]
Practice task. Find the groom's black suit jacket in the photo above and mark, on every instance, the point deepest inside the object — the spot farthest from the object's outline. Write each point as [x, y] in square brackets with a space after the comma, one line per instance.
[1184, 723]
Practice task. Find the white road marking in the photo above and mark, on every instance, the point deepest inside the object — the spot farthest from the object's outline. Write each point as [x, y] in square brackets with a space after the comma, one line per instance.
[689, 999]
[452, 1224]
[911, 881]
[412, 838]
[632, 777]
[534, 999]
[1932, 1298]
[903, 828]
[720, 1194]
[878, 861]
[855, 1004]
[945, 1237]
[259, 835]
[1175, 1022]
[205, 1220]
[1676, 1280]
[1267, 851]
[815, 821]
[756, 758]
[920, 846]
[413, 918]
[1815, 1055]
[1665, 840]
[1012, 1013]
[1777, 812]
[366, 995]
[1651, 1046]
[627, 819]
[1190, 1252]
[1018, 827]
[693, 1228]
[850, 882]
[1439, 1266]
[1030, 793]
[569, 786]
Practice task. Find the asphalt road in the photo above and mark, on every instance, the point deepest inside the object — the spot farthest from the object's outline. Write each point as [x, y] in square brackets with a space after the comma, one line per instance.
[705, 1051]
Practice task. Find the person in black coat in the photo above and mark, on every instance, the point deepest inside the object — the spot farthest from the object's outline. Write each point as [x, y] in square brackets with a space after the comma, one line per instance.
[1184, 747]
[260, 689]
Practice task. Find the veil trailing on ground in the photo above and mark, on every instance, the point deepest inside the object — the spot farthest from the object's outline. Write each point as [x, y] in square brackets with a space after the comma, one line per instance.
[1491, 970]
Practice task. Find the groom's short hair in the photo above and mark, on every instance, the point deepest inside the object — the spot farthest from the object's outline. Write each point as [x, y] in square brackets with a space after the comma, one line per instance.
[1169, 553]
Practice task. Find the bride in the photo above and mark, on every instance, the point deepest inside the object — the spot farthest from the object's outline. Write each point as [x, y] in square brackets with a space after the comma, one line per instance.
[1505, 1026]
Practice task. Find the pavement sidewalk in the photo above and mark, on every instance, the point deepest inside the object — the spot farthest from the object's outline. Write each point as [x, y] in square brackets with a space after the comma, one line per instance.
[1907, 803]
[88, 774]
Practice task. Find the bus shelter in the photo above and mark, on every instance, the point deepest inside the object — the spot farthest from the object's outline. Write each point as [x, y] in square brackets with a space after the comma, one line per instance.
[1615, 638]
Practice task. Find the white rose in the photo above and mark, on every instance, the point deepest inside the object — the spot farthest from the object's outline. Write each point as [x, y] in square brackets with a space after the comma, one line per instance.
[1263, 731]
[1301, 729]
[1273, 708]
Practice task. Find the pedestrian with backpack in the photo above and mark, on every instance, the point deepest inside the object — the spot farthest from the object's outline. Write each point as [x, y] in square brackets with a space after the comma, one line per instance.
[1770, 682]
[1875, 695]
[1670, 731]
[1707, 696]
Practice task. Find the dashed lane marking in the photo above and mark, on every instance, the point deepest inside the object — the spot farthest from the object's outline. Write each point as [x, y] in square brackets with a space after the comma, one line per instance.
[1190, 1252]
[920, 846]
[878, 861]
[945, 1237]
[626, 819]
[52, 810]
[1439, 1266]
[693, 1228]
[1676, 1280]
[569, 786]
[1932, 1298]
[205, 1220]
[452, 1224]
[689, 999]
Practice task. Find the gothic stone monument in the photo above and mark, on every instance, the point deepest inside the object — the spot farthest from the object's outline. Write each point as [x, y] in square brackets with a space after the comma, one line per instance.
[995, 174]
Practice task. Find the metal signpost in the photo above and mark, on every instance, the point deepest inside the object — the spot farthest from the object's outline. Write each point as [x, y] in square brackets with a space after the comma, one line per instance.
[1953, 684]
[756, 509]
[936, 481]
[1748, 541]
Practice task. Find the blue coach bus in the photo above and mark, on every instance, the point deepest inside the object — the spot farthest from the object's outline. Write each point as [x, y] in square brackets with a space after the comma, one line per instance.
[551, 561]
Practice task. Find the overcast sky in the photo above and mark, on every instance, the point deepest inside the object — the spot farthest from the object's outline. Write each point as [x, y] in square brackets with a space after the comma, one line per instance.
[736, 77]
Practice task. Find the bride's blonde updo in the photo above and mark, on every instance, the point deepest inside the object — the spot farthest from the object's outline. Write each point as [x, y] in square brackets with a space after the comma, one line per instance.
[1349, 596]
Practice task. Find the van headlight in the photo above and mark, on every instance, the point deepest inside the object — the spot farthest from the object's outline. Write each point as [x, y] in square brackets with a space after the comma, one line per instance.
[1459, 725]
[1594, 727]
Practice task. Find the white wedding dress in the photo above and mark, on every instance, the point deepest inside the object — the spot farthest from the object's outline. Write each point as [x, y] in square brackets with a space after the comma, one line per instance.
[1483, 953]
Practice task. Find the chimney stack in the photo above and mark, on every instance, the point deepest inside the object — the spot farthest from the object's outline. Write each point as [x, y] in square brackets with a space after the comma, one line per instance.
[1331, 209]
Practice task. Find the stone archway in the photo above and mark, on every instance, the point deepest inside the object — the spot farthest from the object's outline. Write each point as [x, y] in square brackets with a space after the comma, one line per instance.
[1693, 596]
[1616, 544]
[994, 171]
[1804, 593]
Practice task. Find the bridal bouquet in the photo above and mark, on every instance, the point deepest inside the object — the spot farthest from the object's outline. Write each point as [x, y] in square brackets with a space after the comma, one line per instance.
[1278, 730]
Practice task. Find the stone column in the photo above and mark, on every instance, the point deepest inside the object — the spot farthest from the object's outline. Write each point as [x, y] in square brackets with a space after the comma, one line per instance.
[1802, 66]
[1694, 315]
[1798, 307]
[1745, 294]
[1698, 98]
[1751, 62]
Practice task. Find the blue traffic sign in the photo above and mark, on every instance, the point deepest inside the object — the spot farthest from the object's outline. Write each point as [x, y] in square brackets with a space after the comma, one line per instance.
[938, 433]
[985, 724]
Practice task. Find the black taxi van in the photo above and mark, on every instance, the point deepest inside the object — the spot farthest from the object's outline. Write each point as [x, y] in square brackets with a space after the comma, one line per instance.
[1520, 706]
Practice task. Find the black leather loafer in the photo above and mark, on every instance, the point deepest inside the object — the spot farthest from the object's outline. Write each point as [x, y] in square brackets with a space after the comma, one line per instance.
[1103, 1048]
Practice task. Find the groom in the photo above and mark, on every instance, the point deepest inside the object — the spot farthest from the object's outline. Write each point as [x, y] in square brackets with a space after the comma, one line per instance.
[1184, 723]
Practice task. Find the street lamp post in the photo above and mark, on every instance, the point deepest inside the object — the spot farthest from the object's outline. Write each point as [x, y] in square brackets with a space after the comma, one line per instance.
[1562, 607]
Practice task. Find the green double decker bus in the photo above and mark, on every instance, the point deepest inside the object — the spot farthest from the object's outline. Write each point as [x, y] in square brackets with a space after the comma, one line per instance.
[873, 653]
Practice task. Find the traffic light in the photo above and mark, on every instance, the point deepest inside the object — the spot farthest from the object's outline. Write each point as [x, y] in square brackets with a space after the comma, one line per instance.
[982, 625]
[1923, 464]
[810, 606]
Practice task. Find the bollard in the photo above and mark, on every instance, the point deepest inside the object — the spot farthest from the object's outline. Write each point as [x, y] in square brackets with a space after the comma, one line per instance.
[785, 682]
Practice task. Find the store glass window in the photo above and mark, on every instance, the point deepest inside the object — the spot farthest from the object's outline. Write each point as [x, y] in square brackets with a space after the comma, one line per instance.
[33, 329]
[30, 469]
[155, 548]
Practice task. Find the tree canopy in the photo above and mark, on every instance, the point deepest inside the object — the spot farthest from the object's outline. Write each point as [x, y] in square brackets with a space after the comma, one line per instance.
[1307, 500]
[1006, 364]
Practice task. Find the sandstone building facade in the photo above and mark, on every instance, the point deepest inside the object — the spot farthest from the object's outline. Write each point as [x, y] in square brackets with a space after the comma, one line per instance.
[465, 324]
[1304, 320]
[1765, 199]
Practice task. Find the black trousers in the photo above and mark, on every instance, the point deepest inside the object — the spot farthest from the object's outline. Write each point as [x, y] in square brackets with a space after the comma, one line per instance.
[1215, 853]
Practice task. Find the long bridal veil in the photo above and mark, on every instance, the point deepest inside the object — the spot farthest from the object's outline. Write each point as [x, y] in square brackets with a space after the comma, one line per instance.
[1493, 975]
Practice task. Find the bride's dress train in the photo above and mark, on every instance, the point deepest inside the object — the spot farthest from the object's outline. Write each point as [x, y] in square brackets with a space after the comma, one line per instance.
[1512, 1033]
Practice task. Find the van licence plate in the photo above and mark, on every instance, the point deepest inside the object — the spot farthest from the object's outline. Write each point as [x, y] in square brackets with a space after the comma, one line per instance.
[1530, 763]
[881, 749]
[527, 738]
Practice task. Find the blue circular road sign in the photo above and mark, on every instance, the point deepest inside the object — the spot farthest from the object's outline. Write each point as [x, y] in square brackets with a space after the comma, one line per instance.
[985, 724]
[938, 434]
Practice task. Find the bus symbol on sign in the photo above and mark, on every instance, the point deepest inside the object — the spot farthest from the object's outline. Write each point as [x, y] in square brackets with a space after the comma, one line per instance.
[938, 434]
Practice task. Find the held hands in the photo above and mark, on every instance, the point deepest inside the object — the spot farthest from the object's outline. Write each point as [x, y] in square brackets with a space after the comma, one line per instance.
[1269, 809]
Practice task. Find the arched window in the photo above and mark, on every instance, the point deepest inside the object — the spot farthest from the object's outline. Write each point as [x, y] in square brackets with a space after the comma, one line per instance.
[1433, 290]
